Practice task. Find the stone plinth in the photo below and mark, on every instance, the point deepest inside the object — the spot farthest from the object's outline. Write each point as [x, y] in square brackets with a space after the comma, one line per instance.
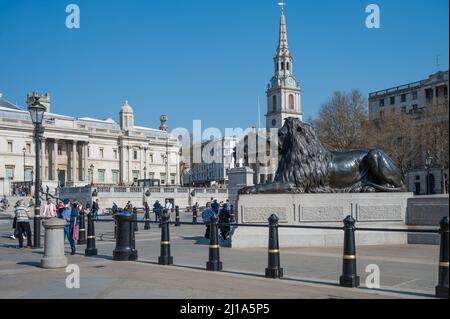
[423, 212]
[54, 244]
[378, 210]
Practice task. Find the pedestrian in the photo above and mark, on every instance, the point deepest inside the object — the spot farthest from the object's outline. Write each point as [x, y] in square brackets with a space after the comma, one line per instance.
[168, 206]
[215, 206]
[157, 210]
[224, 218]
[23, 216]
[50, 209]
[70, 215]
[95, 209]
[207, 214]
[14, 224]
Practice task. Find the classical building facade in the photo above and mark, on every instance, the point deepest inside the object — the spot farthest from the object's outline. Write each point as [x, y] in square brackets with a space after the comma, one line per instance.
[409, 98]
[79, 151]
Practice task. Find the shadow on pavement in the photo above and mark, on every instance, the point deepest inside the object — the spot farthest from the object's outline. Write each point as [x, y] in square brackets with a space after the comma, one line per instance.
[30, 263]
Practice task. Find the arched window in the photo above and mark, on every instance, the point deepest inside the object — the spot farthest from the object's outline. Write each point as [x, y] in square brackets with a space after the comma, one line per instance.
[274, 102]
[287, 66]
[282, 66]
[291, 102]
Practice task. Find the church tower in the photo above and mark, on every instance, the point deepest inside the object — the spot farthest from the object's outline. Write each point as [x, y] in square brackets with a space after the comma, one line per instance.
[283, 93]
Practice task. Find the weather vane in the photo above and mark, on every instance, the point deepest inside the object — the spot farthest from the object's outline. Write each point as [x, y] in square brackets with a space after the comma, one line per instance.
[282, 4]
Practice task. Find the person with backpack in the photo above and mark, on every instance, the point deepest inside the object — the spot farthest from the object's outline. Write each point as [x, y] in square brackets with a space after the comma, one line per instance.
[207, 214]
[157, 210]
[224, 218]
[70, 215]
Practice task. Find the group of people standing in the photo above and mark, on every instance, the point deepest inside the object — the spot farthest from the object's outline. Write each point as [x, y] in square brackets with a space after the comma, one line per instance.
[223, 212]
[66, 210]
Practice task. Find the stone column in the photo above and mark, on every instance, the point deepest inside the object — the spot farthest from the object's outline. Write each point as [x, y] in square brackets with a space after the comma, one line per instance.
[85, 161]
[74, 161]
[55, 160]
[54, 244]
[43, 163]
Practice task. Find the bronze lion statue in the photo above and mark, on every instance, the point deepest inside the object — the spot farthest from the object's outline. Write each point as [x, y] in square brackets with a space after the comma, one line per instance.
[307, 167]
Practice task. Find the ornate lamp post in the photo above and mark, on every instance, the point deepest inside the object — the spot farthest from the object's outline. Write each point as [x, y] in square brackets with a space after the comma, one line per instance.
[428, 162]
[37, 111]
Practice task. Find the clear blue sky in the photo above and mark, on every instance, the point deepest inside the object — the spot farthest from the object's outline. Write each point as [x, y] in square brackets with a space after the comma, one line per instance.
[210, 60]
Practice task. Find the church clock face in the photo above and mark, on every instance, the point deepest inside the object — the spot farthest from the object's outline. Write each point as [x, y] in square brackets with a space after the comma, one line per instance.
[291, 81]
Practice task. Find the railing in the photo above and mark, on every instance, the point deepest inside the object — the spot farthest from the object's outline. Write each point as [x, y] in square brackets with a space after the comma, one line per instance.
[349, 276]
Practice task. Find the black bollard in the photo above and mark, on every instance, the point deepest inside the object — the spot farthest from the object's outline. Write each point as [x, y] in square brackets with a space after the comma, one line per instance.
[214, 263]
[273, 269]
[165, 258]
[442, 288]
[90, 249]
[147, 219]
[115, 228]
[177, 216]
[349, 276]
[124, 244]
[82, 229]
[135, 218]
[194, 214]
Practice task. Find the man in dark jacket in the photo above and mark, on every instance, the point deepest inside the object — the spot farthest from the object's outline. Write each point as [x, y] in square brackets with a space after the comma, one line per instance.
[70, 215]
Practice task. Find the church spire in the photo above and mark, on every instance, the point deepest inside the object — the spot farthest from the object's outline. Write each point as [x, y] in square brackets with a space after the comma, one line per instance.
[283, 41]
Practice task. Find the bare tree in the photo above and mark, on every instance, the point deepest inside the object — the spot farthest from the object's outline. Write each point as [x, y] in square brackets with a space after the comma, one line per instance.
[396, 134]
[341, 119]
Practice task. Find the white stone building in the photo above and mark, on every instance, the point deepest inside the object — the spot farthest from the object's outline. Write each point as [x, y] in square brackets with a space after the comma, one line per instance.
[78, 151]
[410, 97]
[217, 158]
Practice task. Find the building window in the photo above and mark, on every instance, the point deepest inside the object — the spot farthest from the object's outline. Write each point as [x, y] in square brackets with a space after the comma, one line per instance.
[381, 114]
[151, 158]
[10, 146]
[414, 95]
[381, 102]
[429, 94]
[102, 153]
[403, 98]
[28, 147]
[291, 101]
[28, 174]
[135, 155]
[115, 154]
[282, 66]
[274, 102]
[101, 176]
[89, 152]
[59, 149]
[10, 172]
[274, 123]
[151, 175]
[392, 100]
[115, 177]
[173, 179]
[163, 178]
[135, 176]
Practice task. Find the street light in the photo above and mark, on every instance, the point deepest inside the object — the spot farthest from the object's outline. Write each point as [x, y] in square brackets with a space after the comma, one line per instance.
[428, 162]
[37, 111]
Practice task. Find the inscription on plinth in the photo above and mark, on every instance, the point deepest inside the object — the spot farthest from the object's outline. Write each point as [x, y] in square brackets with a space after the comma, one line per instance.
[377, 213]
[321, 214]
[261, 214]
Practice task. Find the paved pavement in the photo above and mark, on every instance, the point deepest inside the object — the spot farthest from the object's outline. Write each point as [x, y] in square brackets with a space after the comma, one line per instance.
[408, 271]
